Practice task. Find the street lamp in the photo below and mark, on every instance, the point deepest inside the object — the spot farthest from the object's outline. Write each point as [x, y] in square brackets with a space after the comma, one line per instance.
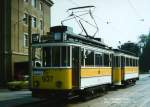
[29, 43]
[30, 47]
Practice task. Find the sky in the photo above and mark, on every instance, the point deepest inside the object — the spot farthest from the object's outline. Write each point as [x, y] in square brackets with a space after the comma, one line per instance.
[128, 19]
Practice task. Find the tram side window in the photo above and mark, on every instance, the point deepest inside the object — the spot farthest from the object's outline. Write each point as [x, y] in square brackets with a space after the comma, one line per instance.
[98, 59]
[137, 62]
[127, 61]
[68, 56]
[110, 60]
[89, 61]
[134, 62]
[131, 62]
[82, 57]
[122, 61]
[117, 61]
[106, 60]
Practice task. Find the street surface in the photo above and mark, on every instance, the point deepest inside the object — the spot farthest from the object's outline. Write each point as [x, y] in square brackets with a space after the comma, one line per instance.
[134, 96]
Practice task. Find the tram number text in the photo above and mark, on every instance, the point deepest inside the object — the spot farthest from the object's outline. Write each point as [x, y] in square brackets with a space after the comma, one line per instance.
[47, 78]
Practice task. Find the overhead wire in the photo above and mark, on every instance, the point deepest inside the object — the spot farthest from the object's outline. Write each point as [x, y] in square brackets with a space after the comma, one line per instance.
[116, 29]
[73, 2]
[77, 16]
[107, 22]
[135, 10]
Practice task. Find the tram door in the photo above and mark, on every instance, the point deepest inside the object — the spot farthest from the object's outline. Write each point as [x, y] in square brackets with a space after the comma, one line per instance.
[113, 67]
[122, 67]
[117, 77]
[76, 66]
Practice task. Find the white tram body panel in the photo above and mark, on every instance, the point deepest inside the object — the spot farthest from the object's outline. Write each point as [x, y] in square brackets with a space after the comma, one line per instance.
[95, 81]
[131, 75]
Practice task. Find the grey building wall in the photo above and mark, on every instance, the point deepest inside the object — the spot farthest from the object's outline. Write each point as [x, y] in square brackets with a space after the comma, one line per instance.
[12, 31]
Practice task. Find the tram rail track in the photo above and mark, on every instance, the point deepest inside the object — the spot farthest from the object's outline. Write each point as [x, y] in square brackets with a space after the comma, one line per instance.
[44, 103]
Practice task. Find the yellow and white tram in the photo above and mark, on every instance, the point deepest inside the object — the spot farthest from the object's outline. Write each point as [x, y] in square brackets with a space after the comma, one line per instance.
[70, 64]
[126, 69]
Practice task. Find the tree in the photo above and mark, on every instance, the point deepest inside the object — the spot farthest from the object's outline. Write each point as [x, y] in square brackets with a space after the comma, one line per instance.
[144, 61]
[131, 47]
[143, 39]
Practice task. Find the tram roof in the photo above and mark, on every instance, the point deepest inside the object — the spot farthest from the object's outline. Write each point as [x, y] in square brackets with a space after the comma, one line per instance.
[77, 37]
[69, 38]
[124, 52]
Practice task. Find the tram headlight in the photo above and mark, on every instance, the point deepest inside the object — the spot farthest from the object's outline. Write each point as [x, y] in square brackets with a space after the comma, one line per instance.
[58, 84]
[36, 84]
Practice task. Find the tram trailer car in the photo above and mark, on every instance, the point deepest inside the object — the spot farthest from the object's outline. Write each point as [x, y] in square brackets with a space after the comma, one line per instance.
[73, 64]
[126, 70]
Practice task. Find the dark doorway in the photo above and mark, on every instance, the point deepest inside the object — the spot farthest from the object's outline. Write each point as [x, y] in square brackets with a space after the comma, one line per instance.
[20, 69]
[76, 66]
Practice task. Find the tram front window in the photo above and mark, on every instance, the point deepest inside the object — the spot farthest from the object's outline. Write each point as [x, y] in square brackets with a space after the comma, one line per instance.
[37, 57]
[56, 56]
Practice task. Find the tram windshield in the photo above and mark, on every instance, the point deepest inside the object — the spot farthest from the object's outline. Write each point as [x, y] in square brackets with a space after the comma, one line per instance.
[56, 56]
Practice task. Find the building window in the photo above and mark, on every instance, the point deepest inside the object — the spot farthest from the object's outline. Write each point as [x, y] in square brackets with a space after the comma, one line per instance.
[26, 40]
[41, 24]
[41, 6]
[34, 22]
[25, 18]
[33, 3]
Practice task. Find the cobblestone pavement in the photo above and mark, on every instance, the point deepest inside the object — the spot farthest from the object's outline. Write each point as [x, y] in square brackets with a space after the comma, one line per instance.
[134, 96]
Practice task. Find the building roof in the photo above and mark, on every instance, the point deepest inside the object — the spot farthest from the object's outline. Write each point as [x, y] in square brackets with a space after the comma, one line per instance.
[49, 2]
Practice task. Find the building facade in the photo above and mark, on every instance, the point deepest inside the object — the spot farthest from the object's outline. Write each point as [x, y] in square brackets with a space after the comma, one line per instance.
[14, 33]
